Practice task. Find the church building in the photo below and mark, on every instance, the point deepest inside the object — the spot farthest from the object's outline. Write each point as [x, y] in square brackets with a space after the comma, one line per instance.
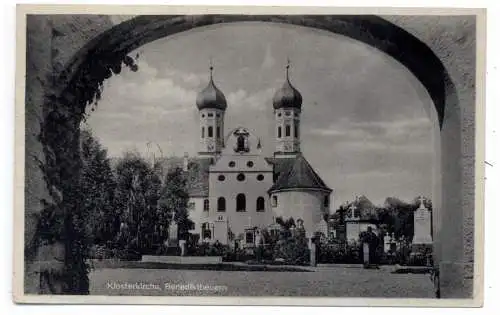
[234, 189]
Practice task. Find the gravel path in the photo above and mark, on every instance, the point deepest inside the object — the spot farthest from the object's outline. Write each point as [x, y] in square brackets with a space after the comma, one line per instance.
[326, 282]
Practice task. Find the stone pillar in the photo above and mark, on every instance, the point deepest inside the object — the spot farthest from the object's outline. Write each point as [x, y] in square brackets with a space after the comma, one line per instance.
[38, 72]
[366, 254]
[312, 250]
[455, 216]
[182, 245]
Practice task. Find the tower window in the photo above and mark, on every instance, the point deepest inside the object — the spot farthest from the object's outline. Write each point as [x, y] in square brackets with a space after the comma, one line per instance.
[222, 178]
[241, 203]
[240, 177]
[210, 114]
[275, 201]
[287, 131]
[217, 132]
[260, 204]
[203, 132]
[217, 115]
[326, 202]
[296, 115]
[206, 205]
[210, 131]
[260, 177]
[287, 113]
[296, 130]
[221, 204]
[279, 131]
[279, 114]
[202, 115]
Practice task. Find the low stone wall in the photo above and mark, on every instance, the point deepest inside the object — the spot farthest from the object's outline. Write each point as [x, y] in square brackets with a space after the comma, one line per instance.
[183, 259]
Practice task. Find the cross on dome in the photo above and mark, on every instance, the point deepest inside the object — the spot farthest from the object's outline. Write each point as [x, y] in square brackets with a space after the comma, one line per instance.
[211, 68]
[287, 67]
[211, 96]
[287, 96]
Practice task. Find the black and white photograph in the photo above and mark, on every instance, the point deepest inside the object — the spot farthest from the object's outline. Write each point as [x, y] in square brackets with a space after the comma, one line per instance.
[260, 154]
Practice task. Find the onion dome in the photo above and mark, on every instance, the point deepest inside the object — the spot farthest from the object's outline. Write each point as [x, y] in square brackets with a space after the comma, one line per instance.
[211, 96]
[287, 96]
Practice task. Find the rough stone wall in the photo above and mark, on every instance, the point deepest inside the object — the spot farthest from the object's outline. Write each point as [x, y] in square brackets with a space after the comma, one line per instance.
[51, 40]
[453, 40]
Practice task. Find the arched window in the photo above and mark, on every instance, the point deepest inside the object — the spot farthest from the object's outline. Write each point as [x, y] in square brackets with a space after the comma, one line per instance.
[275, 201]
[203, 132]
[217, 132]
[221, 204]
[296, 130]
[210, 131]
[260, 204]
[279, 131]
[206, 232]
[206, 205]
[326, 201]
[241, 202]
[287, 131]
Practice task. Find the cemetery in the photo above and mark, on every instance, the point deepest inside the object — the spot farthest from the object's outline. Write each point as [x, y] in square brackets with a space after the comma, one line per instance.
[355, 234]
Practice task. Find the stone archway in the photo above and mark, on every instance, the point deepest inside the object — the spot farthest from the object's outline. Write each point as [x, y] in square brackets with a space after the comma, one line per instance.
[78, 83]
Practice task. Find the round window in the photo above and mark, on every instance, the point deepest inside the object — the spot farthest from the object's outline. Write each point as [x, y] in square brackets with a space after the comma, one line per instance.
[260, 177]
[202, 115]
[222, 178]
[232, 164]
[250, 164]
[240, 177]
[279, 114]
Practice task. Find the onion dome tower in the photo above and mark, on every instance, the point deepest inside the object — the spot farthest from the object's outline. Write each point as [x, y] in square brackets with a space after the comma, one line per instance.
[287, 104]
[212, 105]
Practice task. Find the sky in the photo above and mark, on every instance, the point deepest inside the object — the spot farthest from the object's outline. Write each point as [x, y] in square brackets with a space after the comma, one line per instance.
[365, 123]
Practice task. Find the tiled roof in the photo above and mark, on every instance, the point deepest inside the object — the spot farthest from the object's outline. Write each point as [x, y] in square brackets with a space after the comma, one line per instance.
[280, 165]
[296, 173]
[197, 176]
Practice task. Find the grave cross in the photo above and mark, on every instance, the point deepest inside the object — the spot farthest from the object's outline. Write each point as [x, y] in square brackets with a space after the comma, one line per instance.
[421, 199]
[353, 209]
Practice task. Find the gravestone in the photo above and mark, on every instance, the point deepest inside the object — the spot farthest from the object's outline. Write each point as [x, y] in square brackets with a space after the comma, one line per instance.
[422, 225]
[387, 242]
[173, 237]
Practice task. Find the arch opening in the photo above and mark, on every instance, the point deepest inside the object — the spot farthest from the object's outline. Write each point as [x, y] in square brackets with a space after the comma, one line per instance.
[81, 82]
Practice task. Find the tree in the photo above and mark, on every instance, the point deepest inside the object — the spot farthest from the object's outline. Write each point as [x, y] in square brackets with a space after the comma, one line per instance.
[174, 199]
[97, 186]
[137, 195]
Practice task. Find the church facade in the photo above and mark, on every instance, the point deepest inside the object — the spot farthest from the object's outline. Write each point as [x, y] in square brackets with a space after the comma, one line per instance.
[234, 189]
